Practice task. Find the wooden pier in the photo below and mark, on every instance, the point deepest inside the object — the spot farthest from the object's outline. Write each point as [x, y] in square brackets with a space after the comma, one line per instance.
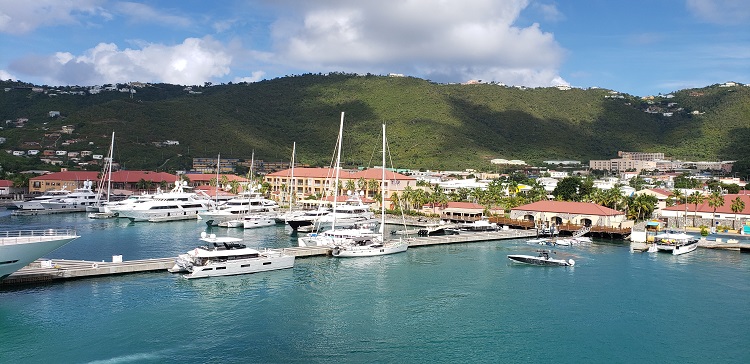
[60, 269]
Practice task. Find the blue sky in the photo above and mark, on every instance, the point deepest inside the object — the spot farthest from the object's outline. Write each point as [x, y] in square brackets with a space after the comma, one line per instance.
[638, 47]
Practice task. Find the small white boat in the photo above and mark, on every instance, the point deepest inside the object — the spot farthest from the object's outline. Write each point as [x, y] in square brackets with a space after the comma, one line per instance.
[542, 259]
[224, 256]
[257, 221]
[369, 248]
[676, 243]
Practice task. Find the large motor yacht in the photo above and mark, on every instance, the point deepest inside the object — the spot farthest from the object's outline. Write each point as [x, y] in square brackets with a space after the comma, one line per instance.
[19, 248]
[169, 206]
[75, 201]
[224, 256]
[246, 203]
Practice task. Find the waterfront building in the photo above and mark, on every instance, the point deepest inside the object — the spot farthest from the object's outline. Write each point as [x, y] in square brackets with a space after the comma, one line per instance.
[566, 212]
[121, 180]
[320, 181]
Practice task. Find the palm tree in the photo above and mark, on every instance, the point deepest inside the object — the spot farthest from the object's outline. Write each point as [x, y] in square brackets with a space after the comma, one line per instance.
[350, 185]
[406, 196]
[696, 198]
[373, 185]
[737, 206]
[361, 184]
[715, 200]
[395, 202]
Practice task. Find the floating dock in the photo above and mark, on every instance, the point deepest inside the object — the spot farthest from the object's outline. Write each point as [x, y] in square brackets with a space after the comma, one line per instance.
[58, 269]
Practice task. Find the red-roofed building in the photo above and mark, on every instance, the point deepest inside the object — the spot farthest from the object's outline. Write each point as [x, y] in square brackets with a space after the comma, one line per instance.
[465, 212]
[577, 213]
[200, 180]
[314, 181]
[121, 180]
[69, 180]
[6, 187]
[704, 214]
[661, 195]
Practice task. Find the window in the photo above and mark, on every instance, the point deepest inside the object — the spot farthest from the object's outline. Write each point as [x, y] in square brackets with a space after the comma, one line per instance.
[266, 263]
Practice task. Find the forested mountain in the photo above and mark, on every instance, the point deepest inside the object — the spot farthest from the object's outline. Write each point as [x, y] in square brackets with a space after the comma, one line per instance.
[433, 126]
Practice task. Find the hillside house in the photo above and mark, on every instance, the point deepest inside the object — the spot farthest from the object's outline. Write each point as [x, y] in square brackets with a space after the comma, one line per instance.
[54, 114]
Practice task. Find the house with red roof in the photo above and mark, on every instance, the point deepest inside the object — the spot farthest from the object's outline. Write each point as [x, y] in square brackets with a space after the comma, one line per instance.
[318, 181]
[704, 214]
[567, 212]
[6, 187]
[204, 179]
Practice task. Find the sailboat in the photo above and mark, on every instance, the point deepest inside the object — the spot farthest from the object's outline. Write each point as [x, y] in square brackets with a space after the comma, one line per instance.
[368, 247]
[282, 217]
[99, 209]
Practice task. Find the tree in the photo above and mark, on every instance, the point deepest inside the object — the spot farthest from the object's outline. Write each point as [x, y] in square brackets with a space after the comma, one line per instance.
[350, 185]
[696, 198]
[567, 189]
[737, 206]
[715, 200]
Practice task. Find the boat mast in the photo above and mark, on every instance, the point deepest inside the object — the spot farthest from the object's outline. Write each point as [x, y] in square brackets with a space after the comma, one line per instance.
[292, 189]
[218, 166]
[338, 166]
[382, 192]
[109, 165]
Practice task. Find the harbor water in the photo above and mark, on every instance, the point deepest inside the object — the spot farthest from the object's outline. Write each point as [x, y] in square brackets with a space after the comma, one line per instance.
[450, 303]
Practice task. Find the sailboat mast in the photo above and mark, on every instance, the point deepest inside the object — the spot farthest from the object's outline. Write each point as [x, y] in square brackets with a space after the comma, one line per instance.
[109, 167]
[218, 167]
[292, 187]
[382, 192]
[338, 167]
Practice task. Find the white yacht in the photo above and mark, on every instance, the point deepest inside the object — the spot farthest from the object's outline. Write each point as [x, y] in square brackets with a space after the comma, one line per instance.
[676, 243]
[36, 202]
[74, 201]
[224, 256]
[126, 204]
[350, 212]
[340, 234]
[234, 209]
[307, 218]
[169, 206]
[19, 248]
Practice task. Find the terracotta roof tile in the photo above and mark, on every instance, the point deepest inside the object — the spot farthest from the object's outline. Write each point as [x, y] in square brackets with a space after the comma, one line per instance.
[583, 208]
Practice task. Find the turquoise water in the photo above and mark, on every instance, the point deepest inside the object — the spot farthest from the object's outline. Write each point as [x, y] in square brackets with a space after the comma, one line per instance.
[451, 303]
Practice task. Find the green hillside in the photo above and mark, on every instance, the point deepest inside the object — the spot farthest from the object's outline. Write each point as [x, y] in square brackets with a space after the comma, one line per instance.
[434, 126]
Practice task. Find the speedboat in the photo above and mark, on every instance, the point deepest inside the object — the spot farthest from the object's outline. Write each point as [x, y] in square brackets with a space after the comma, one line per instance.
[479, 225]
[19, 248]
[224, 256]
[542, 259]
[675, 243]
[257, 220]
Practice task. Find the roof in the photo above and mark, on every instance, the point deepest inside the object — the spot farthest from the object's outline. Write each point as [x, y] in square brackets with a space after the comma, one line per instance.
[371, 173]
[6, 183]
[207, 177]
[568, 207]
[117, 177]
[704, 207]
[68, 176]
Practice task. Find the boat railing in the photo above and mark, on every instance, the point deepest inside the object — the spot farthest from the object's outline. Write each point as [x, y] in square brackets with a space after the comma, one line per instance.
[35, 233]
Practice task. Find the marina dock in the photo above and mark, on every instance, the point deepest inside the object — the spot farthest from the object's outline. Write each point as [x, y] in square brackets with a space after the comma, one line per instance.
[60, 269]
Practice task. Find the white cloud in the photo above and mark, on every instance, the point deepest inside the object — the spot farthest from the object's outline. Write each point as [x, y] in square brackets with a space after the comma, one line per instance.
[4, 76]
[20, 17]
[144, 13]
[726, 12]
[254, 77]
[444, 41]
[192, 62]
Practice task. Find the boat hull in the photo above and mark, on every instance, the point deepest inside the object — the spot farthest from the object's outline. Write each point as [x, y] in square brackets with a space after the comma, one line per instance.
[17, 251]
[542, 261]
[242, 266]
[369, 251]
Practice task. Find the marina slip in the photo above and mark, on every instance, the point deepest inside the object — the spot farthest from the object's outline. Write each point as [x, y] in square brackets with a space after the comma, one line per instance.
[464, 301]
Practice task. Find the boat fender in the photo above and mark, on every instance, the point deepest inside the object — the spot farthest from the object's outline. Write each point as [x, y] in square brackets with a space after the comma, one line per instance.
[571, 262]
[95, 265]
